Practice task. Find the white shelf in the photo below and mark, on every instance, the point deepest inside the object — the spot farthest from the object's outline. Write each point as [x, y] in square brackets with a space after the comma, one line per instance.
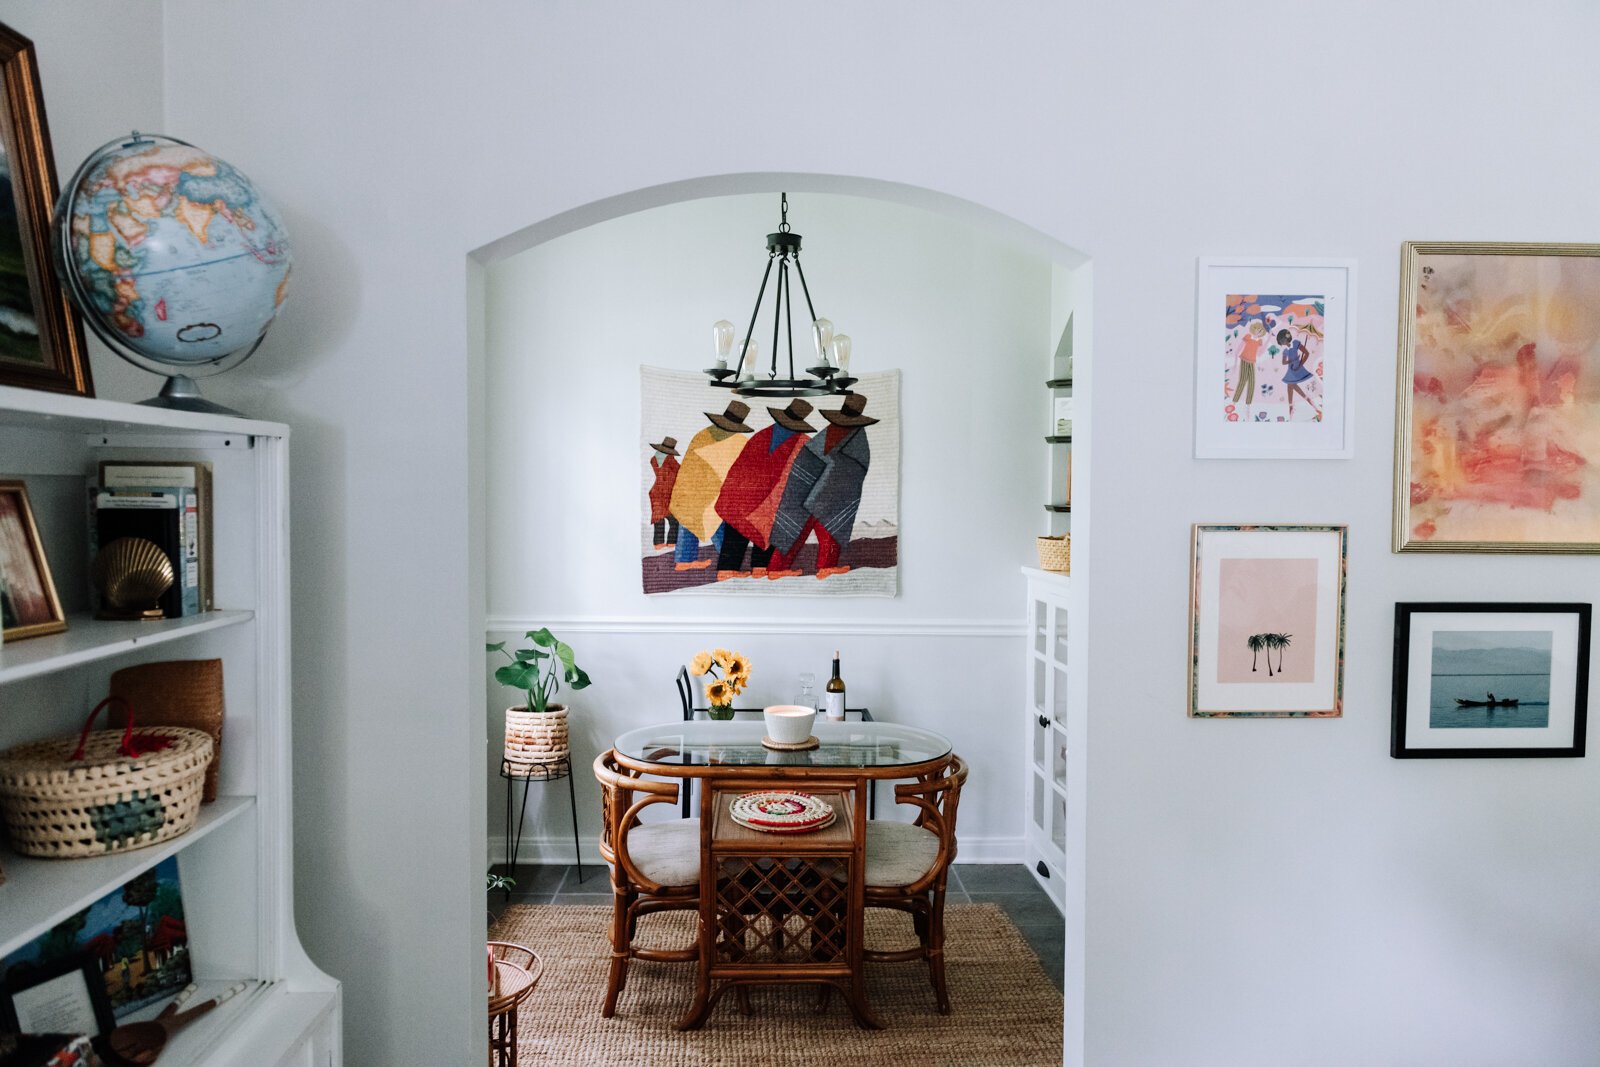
[57, 411]
[1054, 579]
[40, 893]
[87, 639]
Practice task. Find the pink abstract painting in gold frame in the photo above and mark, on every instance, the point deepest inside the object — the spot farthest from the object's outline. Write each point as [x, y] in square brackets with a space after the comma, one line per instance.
[1498, 431]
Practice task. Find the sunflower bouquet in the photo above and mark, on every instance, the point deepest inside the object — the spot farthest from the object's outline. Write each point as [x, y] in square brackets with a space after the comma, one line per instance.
[721, 687]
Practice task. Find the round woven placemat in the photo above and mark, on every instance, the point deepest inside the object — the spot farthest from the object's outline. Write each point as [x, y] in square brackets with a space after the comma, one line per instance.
[790, 746]
[1005, 1011]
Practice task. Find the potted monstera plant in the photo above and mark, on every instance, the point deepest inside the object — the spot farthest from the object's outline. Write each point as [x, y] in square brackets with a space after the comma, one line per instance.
[536, 731]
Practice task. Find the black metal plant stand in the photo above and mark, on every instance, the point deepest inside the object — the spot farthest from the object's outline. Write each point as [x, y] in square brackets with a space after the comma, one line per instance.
[528, 773]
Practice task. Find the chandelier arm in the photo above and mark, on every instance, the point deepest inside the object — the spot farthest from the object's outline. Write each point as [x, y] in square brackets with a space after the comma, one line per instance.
[803, 287]
[751, 329]
[788, 315]
[777, 310]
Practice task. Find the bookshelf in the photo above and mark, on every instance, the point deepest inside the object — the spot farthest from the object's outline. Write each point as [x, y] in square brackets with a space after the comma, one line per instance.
[236, 866]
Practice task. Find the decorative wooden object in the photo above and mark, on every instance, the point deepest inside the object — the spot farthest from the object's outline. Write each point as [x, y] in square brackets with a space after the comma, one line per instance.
[624, 794]
[935, 794]
[143, 1043]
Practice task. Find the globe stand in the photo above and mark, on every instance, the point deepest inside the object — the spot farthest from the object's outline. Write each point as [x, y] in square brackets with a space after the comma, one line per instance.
[182, 394]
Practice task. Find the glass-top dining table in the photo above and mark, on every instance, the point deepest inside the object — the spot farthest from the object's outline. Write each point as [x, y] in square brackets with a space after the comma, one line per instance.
[782, 907]
[701, 749]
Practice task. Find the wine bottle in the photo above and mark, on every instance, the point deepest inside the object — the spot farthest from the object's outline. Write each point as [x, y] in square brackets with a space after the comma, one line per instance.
[835, 692]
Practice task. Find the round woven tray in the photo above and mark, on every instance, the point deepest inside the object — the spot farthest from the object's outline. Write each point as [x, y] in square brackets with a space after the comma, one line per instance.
[59, 808]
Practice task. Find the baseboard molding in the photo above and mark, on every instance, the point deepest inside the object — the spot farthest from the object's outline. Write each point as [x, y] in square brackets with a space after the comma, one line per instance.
[558, 850]
[722, 624]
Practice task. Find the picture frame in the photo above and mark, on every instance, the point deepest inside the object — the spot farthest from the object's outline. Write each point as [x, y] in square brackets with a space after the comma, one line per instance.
[66, 997]
[29, 606]
[1249, 377]
[1495, 398]
[41, 338]
[1468, 678]
[1276, 592]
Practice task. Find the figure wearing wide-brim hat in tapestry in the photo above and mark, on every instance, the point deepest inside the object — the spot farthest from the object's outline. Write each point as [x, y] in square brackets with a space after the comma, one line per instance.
[664, 463]
[823, 492]
[706, 460]
[750, 494]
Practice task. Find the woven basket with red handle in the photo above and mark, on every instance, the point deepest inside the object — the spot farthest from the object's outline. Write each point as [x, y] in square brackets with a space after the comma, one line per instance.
[103, 791]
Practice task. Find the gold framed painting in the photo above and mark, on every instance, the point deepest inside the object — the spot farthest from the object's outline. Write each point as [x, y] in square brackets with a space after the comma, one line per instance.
[29, 606]
[1497, 435]
[41, 340]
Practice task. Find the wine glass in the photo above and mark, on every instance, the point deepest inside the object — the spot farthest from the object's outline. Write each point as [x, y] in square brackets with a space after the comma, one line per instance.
[806, 695]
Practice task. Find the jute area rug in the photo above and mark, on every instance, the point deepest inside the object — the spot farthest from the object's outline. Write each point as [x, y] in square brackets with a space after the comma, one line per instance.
[1005, 1011]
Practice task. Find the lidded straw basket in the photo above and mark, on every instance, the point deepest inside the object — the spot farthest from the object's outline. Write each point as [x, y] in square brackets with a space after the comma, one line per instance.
[105, 791]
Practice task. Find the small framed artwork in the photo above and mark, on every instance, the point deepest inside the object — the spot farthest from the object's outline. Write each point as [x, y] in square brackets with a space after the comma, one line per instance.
[1266, 621]
[1499, 394]
[1480, 680]
[28, 603]
[66, 997]
[1273, 358]
[41, 340]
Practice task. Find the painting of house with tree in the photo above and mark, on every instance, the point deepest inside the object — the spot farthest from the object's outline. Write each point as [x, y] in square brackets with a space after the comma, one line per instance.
[135, 934]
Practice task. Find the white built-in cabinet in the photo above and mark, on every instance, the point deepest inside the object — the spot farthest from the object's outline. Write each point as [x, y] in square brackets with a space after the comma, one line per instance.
[1047, 709]
[236, 866]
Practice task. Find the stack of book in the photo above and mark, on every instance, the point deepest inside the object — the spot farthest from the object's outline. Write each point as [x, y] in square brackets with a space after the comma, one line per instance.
[169, 504]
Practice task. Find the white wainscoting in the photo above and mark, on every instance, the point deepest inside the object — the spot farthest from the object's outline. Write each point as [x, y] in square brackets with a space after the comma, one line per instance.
[956, 676]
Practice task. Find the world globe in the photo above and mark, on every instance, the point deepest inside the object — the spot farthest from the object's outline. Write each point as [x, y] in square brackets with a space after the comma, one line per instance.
[174, 259]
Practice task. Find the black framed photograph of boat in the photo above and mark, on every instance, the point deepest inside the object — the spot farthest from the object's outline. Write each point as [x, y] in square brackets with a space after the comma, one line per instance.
[1488, 680]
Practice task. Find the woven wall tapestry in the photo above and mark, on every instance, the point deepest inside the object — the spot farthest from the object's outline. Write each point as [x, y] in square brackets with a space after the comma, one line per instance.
[793, 497]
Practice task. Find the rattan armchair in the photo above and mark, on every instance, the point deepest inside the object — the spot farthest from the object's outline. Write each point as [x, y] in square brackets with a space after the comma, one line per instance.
[654, 866]
[908, 864]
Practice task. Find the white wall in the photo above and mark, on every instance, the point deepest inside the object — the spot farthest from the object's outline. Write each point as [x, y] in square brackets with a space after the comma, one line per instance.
[1260, 892]
[964, 315]
[96, 87]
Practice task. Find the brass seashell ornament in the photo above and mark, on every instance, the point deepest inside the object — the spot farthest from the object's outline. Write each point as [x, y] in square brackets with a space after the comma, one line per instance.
[131, 574]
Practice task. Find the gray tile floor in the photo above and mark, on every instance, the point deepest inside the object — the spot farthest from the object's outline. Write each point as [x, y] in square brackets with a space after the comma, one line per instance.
[1008, 885]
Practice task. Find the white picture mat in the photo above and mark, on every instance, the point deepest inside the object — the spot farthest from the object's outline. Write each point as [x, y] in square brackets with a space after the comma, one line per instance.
[60, 1005]
[1332, 279]
[1557, 733]
[1319, 694]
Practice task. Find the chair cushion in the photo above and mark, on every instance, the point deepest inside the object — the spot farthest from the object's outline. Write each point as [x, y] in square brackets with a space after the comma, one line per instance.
[667, 853]
[899, 853]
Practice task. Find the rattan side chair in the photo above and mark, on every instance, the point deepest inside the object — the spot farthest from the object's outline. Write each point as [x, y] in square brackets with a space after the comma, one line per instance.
[654, 866]
[909, 863]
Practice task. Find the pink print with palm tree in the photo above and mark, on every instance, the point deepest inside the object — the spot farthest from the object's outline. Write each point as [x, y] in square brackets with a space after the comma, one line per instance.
[1267, 620]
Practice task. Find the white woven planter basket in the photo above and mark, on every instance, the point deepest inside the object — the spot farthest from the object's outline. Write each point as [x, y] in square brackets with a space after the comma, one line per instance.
[533, 738]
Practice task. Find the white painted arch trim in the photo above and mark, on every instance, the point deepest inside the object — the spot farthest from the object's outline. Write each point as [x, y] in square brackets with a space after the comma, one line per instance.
[644, 624]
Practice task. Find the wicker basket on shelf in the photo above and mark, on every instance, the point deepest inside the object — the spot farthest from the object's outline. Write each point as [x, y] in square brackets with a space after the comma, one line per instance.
[1055, 553]
[178, 693]
[104, 791]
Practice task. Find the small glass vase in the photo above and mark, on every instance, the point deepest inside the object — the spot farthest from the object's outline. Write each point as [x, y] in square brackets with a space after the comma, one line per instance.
[720, 712]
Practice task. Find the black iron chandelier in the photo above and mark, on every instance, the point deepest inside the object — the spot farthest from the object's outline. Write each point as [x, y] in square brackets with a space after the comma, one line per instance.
[831, 374]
